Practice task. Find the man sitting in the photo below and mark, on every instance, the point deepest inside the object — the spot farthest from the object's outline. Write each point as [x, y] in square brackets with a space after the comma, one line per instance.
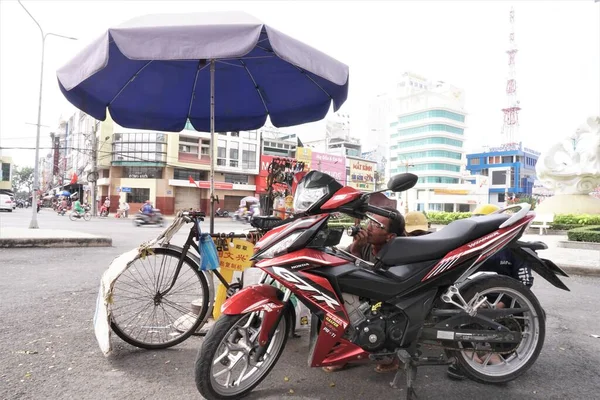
[366, 245]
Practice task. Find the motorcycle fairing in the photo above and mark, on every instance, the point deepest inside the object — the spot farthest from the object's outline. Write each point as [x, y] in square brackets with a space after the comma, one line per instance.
[482, 248]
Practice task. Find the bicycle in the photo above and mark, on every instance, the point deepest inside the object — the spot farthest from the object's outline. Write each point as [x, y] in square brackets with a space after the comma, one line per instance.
[76, 215]
[173, 293]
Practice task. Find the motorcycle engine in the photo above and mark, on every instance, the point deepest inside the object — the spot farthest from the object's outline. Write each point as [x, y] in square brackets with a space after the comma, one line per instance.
[374, 326]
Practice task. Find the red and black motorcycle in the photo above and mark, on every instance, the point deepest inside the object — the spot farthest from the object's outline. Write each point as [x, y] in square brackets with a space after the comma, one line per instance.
[421, 290]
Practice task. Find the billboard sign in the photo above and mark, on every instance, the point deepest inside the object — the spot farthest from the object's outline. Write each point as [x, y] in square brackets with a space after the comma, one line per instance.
[330, 164]
[362, 175]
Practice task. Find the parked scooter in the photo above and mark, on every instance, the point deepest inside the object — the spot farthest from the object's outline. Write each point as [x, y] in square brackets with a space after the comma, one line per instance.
[156, 218]
[221, 213]
[103, 211]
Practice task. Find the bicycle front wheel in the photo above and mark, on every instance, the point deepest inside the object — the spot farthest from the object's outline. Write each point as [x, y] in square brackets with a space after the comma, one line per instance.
[147, 315]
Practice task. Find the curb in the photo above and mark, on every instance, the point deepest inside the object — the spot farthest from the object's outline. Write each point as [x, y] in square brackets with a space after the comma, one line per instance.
[55, 242]
[569, 244]
[580, 270]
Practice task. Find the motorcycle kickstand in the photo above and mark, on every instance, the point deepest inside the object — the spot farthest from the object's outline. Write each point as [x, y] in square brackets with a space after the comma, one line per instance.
[410, 371]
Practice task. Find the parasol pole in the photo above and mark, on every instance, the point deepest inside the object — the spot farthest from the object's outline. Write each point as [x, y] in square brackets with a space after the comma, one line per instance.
[213, 141]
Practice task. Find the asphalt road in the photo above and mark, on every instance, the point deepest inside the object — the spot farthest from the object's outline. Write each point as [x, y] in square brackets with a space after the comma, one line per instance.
[48, 349]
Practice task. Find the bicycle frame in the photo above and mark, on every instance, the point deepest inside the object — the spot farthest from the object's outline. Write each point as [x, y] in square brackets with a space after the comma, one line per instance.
[191, 242]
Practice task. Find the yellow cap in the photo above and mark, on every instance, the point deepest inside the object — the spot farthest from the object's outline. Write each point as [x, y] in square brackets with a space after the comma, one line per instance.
[485, 209]
[415, 220]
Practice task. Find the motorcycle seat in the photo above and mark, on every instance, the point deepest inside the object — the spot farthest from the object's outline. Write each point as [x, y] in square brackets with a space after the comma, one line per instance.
[406, 250]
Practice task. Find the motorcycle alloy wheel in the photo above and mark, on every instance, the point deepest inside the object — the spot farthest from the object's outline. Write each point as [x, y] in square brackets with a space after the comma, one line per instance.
[225, 368]
[503, 363]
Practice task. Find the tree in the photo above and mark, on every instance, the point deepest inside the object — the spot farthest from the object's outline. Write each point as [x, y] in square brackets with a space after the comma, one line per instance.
[22, 179]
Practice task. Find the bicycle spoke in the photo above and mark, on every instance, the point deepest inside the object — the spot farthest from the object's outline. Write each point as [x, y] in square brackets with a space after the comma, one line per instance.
[176, 306]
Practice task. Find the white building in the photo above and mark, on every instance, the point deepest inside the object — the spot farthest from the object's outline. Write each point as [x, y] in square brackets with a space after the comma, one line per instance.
[426, 137]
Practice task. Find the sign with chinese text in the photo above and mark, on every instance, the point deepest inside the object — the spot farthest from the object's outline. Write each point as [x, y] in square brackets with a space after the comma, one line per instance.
[362, 175]
[238, 256]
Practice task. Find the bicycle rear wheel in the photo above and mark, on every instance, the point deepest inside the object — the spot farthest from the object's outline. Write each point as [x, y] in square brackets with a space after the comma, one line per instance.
[145, 317]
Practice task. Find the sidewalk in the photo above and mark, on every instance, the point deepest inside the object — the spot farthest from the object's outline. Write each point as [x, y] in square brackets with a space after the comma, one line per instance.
[22, 237]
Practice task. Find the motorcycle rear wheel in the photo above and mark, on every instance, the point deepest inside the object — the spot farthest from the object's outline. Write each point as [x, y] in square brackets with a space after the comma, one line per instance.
[234, 338]
[496, 367]
[72, 216]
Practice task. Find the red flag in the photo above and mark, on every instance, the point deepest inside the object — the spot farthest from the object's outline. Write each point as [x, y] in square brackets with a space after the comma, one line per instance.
[74, 179]
[193, 182]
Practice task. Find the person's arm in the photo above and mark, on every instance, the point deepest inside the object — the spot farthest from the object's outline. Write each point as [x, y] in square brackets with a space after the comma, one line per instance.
[358, 243]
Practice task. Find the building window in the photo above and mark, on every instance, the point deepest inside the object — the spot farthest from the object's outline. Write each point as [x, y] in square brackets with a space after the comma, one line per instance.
[248, 135]
[234, 154]
[437, 179]
[474, 161]
[142, 172]
[432, 140]
[507, 159]
[185, 149]
[501, 198]
[138, 195]
[139, 146]
[432, 114]
[432, 153]
[429, 128]
[235, 178]
[5, 172]
[205, 147]
[184, 174]
[436, 166]
[499, 177]
[188, 140]
[234, 134]
[222, 153]
[248, 156]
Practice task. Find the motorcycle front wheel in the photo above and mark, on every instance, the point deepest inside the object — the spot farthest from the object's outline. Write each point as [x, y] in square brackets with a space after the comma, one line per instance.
[225, 366]
[499, 362]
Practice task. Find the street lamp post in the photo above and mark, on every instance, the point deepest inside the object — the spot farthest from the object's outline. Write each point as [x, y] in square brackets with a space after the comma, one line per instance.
[36, 177]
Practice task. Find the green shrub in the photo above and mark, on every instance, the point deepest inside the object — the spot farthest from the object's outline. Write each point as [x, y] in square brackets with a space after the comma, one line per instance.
[444, 218]
[585, 234]
[571, 221]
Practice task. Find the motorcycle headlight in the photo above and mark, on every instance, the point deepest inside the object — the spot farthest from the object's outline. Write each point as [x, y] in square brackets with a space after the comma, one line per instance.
[281, 247]
[306, 197]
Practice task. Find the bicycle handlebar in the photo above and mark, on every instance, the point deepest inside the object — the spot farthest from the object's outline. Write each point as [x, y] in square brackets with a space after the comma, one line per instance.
[200, 214]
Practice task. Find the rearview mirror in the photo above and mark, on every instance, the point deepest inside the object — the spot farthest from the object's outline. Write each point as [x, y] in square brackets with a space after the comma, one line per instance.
[402, 182]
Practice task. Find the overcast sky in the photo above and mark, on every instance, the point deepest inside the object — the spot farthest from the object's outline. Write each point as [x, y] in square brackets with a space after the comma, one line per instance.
[463, 43]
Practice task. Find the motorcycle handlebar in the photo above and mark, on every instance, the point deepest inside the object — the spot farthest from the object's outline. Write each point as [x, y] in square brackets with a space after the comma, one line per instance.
[382, 211]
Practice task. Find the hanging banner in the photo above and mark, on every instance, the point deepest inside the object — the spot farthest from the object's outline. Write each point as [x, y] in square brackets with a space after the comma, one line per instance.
[263, 171]
[362, 175]
[329, 164]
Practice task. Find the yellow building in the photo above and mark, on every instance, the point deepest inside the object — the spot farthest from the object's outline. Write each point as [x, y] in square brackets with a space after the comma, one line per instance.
[138, 165]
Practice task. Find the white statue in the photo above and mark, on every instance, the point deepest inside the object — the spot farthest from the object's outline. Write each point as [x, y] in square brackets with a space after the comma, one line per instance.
[572, 166]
